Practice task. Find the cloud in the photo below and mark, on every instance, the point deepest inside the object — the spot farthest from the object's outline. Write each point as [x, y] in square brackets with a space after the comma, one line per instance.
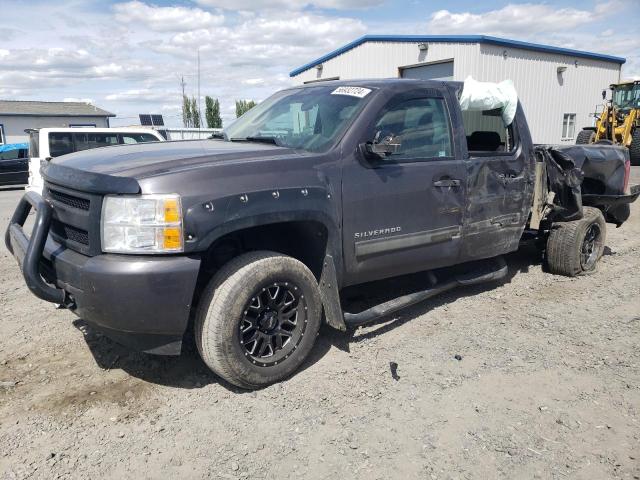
[131, 57]
[48, 59]
[7, 33]
[78, 100]
[124, 69]
[253, 81]
[145, 95]
[165, 19]
[258, 5]
[56, 63]
[513, 19]
[546, 24]
[284, 39]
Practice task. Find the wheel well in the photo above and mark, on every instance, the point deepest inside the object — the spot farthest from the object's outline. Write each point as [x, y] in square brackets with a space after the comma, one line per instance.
[303, 240]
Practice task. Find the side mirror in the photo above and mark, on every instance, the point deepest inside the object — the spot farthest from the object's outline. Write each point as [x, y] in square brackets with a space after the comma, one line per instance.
[604, 94]
[388, 146]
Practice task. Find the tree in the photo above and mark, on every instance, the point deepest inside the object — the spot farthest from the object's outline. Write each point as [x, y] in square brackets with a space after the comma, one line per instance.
[243, 106]
[195, 113]
[187, 117]
[212, 112]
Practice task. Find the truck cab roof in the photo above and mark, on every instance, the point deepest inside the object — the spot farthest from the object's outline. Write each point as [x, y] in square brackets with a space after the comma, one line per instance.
[384, 83]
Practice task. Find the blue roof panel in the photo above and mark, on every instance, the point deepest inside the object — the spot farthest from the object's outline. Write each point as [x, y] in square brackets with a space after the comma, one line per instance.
[458, 39]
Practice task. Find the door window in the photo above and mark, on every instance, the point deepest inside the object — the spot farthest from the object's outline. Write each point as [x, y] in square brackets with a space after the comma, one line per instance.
[421, 126]
[486, 131]
[130, 138]
[60, 144]
[86, 141]
[11, 154]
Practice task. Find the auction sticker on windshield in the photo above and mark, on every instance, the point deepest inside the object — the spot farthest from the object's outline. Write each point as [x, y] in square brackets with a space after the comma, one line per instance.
[359, 92]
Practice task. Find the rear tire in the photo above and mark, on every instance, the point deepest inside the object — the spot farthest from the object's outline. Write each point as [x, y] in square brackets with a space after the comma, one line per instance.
[585, 136]
[258, 319]
[634, 147]
[574, 248]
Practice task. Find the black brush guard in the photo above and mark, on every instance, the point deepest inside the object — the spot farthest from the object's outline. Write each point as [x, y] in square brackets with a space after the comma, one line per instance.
[28, 250]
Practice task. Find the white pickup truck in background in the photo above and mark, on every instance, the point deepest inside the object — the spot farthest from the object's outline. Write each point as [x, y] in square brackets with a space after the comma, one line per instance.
[48, 143]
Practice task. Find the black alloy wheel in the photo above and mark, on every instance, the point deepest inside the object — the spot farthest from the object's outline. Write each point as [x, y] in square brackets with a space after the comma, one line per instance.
[591, 245]
[574, 248]
[273, 324]
[258, 318]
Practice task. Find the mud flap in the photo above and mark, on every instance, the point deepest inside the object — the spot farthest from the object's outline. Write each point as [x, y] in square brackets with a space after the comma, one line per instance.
[330, 296]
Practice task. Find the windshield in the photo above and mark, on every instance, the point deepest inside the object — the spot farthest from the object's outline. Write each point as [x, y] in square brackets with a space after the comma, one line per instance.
[627, 96]
[309, 118]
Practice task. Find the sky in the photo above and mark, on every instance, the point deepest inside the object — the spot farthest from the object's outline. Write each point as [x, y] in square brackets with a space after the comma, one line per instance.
[129, 57]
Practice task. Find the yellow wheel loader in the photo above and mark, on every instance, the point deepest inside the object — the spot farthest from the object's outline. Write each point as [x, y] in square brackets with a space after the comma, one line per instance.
[619, 123]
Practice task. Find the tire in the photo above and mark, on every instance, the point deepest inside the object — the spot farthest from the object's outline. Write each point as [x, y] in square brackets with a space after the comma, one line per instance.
[634, 147]
[574, 248]
[245, 315]
[585, 136]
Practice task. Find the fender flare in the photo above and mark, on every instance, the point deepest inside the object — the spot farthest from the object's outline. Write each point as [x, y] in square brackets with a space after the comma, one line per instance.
[329, 283]
[207, 222]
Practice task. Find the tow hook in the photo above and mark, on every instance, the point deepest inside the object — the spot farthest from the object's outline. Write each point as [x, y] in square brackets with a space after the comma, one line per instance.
[69, 302]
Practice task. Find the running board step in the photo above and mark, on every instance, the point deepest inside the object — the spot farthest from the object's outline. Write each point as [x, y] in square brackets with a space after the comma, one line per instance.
[486, 271]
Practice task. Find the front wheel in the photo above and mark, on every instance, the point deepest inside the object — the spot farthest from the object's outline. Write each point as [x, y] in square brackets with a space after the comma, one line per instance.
[574, 248]
[585, 137]
[258, 319]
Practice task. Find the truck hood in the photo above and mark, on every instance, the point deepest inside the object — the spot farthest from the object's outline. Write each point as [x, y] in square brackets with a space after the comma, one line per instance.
[147, 159]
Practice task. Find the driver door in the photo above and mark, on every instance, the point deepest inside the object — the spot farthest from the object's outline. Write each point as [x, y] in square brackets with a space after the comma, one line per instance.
[13, 167]
[403, 212]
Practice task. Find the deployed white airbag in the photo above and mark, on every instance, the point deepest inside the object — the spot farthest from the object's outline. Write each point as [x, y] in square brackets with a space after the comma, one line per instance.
[489, 96]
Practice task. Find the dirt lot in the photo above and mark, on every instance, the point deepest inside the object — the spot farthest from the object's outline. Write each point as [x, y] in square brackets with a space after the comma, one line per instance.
[548, 386]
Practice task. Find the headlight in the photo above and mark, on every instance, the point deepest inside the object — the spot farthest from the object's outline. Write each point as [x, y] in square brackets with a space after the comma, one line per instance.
[141, 224]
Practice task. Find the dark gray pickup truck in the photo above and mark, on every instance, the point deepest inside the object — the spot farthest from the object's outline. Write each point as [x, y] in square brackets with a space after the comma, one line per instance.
[250, 238]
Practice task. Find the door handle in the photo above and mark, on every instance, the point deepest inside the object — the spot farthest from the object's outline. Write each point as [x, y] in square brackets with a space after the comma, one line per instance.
[451, 182]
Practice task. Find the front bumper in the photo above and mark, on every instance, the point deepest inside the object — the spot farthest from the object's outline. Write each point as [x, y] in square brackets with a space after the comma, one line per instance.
[142, 302]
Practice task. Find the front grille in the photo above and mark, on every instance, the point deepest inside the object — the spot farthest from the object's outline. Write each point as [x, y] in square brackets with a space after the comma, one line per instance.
[72, 201]
[76, 235]
[69, 232]
[76, 218]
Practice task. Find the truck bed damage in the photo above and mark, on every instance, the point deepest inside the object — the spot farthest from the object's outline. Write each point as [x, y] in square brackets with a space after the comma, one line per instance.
[568, 177]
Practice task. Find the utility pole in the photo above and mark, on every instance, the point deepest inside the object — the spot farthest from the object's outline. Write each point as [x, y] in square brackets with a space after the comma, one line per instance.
[199, 111]
[182, 84]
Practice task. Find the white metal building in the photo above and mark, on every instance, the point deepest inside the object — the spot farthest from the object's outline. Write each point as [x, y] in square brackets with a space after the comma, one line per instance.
[559, 88]
[16, 116]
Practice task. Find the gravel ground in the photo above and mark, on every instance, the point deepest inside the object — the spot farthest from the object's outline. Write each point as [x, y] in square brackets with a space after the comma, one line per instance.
[536, 377]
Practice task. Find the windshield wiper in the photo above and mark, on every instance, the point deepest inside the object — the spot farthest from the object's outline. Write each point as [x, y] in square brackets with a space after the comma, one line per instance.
[217, 135]
[271, 140]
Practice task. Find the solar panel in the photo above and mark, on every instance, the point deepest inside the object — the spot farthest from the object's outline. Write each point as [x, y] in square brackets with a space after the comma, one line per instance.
[151, 120]
[145, 119]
